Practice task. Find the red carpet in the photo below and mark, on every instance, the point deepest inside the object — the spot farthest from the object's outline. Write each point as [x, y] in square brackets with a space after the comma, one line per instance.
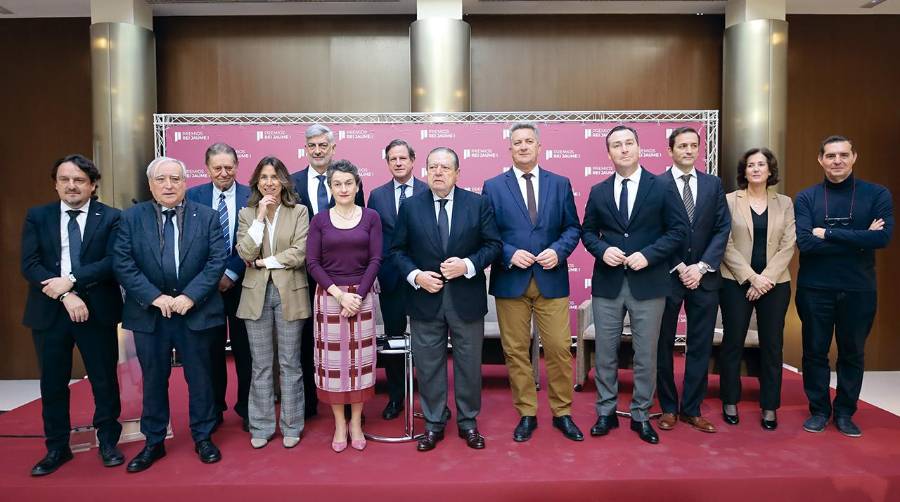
[738, 463]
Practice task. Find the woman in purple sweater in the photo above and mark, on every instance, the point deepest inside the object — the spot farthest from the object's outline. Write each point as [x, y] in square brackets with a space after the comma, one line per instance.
[344, 255]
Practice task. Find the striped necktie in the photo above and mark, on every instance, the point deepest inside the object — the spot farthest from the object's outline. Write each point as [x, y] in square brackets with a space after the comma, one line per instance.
[223, 220]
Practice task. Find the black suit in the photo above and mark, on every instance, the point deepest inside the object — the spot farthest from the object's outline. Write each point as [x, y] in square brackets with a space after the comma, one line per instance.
[707, 236]
[54, 332]
[301, 186]
[459, 307]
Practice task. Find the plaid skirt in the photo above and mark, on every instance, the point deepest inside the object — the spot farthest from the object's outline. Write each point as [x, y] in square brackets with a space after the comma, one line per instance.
[345, 350]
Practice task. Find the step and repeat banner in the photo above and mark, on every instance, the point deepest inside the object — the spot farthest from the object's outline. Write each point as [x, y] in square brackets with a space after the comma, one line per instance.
[576, 150]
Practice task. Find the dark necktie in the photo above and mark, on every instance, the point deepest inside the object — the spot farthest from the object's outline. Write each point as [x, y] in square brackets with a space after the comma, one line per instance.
[688, 197]
[74, 240]
[623, 200]
[223, 220]
[532, 202]
[443, 224]
[322, 194]
[170, 271]
[403, 188]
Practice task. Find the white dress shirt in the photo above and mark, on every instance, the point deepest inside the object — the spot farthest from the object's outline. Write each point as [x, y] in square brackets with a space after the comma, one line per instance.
[677, 174]
[231, 207]
[256, 233]
[409, 191]
[633, 181]
[65, 262]
[523, 187]
[312, 189]
[470, 267]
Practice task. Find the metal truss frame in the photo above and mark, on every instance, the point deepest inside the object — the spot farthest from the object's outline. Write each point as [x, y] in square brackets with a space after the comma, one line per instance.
[709, 118]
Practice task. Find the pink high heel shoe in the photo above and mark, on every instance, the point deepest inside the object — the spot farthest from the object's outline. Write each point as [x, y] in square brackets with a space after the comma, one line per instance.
[339, 446]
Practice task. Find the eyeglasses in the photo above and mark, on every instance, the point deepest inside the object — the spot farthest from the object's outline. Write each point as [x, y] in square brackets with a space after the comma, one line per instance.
[833, 222]
[843, 221]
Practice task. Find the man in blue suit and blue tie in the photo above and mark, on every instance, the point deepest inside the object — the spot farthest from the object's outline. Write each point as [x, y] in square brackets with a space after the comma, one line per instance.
[395, 291]
[535, 213]
[227, 197]
[695, 282]
[169, 257]
[633, 223]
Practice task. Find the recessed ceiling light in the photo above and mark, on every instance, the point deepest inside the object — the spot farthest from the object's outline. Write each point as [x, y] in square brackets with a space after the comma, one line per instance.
[871, 3]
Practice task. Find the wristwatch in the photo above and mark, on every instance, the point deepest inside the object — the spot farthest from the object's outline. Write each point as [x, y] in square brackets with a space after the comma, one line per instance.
[704, 268]
[71, 278]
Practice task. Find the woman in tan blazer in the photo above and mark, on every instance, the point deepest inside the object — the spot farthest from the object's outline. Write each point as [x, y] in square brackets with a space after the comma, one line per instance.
[271, 238]
[755, 273]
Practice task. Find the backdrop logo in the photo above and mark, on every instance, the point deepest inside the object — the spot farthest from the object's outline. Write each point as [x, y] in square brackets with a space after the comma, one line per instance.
[301, 152]
[506, 134]
[196, 173]
[480, 153]
[598, 170]
[365, 172]
[436, 134]
[190, 136]
[587, 283]
[424, 172]
[596, 132]
[273, 135]
[243, 154]
[561, 154]
[573, 268]
[650, 153]
[355, 134]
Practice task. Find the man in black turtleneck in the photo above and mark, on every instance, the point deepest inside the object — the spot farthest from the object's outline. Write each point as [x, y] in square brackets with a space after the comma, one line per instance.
[840, 224]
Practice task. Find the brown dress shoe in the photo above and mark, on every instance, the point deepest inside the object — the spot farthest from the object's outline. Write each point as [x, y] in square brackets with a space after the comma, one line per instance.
[699, 423]
[667, 421]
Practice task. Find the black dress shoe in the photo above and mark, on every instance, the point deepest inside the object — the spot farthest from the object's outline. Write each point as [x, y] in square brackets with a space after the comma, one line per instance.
[52, 461]
[523, 431]
[567, 426]
[473, 439]
[207, 451]
[645, 431]
[730, 419]
[604, 425]
[429, 440]
[111, 456]
[146, 457]
[392, 410]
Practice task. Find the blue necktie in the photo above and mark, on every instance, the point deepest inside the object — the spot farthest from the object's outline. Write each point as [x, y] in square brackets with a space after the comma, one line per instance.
[170, 271]
[223, 220]
[444, 224]
[74, 240]
[402, 196]
[623, 200]
[322, 195]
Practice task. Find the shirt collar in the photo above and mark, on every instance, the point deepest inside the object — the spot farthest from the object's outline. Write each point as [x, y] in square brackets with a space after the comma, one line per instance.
[634, 178]
[228, 193]
[518, 172]
[63, 207]
[313, 175]
[408, 183]
[449, 196]
[677, 174]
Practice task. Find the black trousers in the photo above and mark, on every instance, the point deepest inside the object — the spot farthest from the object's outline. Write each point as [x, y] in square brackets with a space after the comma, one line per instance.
[736, 311]
[307, 363]
[848, 316]
[154, 351]
[393, 312]
[700, 308]
[99, 349]
[240, 351]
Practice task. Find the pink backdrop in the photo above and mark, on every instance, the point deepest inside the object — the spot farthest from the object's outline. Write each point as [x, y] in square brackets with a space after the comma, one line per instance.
[573, 149]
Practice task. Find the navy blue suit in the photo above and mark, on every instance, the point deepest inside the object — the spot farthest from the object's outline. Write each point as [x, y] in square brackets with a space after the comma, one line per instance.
[235, 330]
[395, 290]
[707, 237]
[55, 334]
[138, 264]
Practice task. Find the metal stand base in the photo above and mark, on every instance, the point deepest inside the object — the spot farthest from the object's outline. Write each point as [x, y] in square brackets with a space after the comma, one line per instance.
[409, 414]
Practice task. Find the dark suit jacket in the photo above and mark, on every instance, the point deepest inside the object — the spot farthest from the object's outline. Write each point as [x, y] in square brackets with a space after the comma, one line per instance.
[557, 228]
[95, 283]
[657, 227]
[473, 235]
[137, 261]
[202, 194]
[382, 201]
[708, 234]
[302, 188]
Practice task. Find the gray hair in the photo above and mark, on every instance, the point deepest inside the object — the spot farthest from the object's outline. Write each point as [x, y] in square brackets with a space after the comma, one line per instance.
[524, 125]
[318, 130]
[155, 163]
[342, 166]
[217, 148]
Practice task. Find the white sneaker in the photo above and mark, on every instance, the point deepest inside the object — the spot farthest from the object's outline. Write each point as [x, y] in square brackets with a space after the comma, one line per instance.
[258, 442]
[290, 441]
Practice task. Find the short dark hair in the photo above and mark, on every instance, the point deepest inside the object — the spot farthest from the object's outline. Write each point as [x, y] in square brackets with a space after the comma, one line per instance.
[399, 142]
[621, 127]
[342, 166]
[217, 148]
[770, 159]
[835, 138]
[288, 195]
[678, 132]
[81, 162]
[447, 150]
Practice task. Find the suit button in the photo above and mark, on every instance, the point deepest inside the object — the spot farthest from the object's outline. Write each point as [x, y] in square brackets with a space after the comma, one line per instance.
[626, 235]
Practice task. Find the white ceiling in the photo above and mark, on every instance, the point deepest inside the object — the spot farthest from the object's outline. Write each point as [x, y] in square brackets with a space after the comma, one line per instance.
[82, 8]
